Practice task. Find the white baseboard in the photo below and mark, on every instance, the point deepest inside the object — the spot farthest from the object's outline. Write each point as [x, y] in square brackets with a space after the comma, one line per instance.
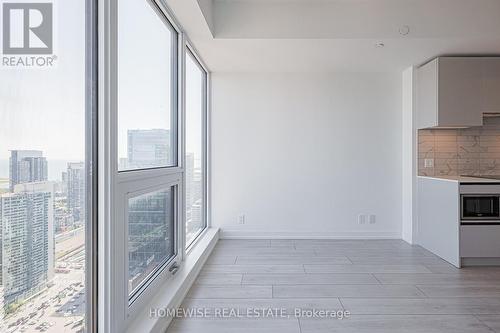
[241, 234]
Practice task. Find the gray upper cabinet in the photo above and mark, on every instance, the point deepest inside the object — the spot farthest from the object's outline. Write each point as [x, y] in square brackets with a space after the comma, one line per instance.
[491, 84]
[450, 93]
[456, 91]
[427, 95]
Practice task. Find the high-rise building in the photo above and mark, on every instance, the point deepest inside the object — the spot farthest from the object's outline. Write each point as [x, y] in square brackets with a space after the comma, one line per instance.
[197, 186]
[45, 187]
[194, 214]
[189, 177]
[26, 166]
[76, 190]
[150, 233]
[148, 148]
[24, 243]
[193, 184]
[196, 218]
[64, 183]
[2, 311]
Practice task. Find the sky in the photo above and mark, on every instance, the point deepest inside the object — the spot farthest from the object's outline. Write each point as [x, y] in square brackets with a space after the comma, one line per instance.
[144, 70]
[194, 96]
[44, 109]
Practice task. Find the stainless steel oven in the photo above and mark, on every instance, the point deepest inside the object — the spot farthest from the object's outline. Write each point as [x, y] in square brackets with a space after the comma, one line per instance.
[480, 208]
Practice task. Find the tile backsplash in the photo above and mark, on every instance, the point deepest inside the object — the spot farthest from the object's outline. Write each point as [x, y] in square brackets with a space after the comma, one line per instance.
[453, 152]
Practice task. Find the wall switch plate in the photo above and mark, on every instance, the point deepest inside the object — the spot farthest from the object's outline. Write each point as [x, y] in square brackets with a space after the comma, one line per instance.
[241, 219]
[429, 163]
[361, 219]
[373, 219]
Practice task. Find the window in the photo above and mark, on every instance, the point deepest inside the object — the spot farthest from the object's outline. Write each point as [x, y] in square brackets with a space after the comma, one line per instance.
[45, 169]
[196, 108]
[147, 178]
[147, 68]
[48, 167]
[151, 232]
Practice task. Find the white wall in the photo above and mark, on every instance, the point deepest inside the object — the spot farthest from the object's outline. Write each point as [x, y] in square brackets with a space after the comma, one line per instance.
[409, 157]
[301, 155]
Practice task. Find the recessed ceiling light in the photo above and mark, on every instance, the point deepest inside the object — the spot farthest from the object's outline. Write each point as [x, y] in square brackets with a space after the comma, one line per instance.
[379, 45]
[404, 30]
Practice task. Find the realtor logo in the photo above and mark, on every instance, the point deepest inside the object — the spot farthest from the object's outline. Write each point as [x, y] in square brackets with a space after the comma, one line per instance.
[27, 28]
[28, 35]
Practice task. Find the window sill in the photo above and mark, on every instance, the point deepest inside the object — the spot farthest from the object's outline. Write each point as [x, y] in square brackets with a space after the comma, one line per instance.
[172, 294]
[197, 239]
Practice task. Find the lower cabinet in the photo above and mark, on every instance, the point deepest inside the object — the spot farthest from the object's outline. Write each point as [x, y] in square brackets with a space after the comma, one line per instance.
[480, 241]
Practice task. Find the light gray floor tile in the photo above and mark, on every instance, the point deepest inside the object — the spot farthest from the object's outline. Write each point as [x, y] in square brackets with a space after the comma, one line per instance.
[243, 243]
[390, 253]
[326, 243]
[354, 244]
[209, 291]
[297, 279]
[235, 326]
[419, 260]
[421, 306]
[395, 324]
[262, 251]
[242, 269]
[219, 259]
[454, 279]
[282, 242]
[290, 260]
[442, 269]
[219, 279]
[366, 269]
[450, 269]
[331, 304]
[460, 291]
[318, 291]
[491, 321]
[389, 286]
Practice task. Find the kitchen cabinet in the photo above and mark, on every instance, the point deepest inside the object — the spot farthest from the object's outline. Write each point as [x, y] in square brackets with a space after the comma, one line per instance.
[491, 84]
[450, 93]
[438, 223]
[456, 91]
[480, 241]
[460, 239]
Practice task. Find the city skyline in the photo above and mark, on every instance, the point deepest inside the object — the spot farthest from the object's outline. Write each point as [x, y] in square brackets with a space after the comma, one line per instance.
[64, 213]
[26, 166]
[42, 240]
[45, 109]
[25, 244]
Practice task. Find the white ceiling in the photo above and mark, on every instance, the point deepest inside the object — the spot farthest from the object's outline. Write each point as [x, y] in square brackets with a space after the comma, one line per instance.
[295, 1]
[336, 35]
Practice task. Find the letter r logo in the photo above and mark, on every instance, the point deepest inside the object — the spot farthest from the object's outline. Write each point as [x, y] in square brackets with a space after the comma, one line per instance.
[27, 28]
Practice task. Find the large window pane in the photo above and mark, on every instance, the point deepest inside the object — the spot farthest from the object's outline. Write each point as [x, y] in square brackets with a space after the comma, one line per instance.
[146, 100]
[195, 108]
[150, 235]
[43, 190]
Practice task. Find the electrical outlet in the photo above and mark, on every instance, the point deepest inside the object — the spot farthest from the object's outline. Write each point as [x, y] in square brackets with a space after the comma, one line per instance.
[373, 219]
[361, 219]
[241, 219]
[429, 163]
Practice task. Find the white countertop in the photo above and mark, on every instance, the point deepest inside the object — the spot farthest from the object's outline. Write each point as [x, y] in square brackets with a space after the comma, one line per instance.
[463, 180]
